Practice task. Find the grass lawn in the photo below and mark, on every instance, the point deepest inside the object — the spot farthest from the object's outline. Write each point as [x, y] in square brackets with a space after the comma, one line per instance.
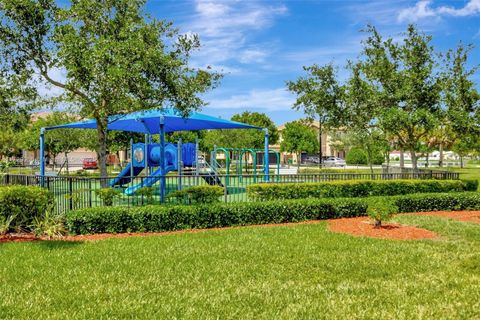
[300, 271]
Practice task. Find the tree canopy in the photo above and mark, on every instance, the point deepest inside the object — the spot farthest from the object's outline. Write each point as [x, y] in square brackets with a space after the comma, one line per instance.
[243, 138]
[319, 95]
[114, 58]
[297, 137]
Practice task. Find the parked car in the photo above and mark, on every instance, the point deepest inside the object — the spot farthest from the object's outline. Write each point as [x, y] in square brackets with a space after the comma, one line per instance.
[334, 162]
[89, 163]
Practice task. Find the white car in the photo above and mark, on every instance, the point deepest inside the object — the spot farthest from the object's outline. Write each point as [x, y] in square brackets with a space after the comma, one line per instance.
[334, 162]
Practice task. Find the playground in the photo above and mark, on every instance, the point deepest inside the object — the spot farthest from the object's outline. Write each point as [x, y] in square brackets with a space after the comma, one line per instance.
[157, 169]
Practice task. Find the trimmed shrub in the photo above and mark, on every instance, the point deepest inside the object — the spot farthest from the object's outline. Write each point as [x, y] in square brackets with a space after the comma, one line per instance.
[165, 218]
[21, 205]
[355, 188]
[198, 194]
[438, 202]
[356, 156]
[157, 218]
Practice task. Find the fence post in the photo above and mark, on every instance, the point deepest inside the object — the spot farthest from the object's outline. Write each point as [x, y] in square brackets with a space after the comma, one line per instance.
[225, 193]
[70, 192]
[90, 193]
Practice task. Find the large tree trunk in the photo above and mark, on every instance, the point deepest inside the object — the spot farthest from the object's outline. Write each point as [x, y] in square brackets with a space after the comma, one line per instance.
[102, 151]
[402, 158]
[299, 159]
[414, 159]
[66, 163]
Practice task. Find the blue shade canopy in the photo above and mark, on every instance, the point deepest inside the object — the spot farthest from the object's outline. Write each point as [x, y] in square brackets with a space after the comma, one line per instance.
[148, 121]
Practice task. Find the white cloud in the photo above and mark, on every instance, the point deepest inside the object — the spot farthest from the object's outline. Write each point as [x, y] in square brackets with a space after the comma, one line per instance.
[253, 55]
[423, 9]
[267, 100]
[226, 28]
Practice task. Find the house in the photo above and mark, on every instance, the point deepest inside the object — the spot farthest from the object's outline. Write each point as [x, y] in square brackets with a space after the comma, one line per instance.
[75, 157]
[328, 147]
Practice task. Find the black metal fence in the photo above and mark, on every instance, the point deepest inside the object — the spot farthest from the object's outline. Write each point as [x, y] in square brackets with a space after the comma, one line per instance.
[82, 192]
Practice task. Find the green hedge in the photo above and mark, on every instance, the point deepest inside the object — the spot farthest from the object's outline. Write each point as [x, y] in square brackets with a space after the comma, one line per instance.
[355, 188]
[20, 205]
[438, 202]
[166, 218]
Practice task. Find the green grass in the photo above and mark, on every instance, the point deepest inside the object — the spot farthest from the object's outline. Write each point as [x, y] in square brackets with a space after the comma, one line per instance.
[300, 271]
[470, 171]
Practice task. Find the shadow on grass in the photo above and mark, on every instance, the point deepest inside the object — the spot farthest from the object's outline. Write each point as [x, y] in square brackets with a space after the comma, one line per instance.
[57, 244]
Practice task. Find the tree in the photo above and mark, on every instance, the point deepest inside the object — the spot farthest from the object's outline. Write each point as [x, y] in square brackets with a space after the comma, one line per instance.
[362, 111]
[462, 101]
[244, 138]
[409, 88]
[319, 95]
[10, 143]
[468, 144]
[56, 141]
[298, 137]
[115, 58]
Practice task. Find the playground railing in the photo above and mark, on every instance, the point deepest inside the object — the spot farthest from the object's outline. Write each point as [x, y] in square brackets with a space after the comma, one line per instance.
[81, 192]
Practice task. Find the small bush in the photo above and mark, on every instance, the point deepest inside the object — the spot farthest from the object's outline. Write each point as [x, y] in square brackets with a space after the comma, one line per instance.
[50, 225]
[148, 193]
[198, 194]
[356, 156]
[355, 188]
[380, 210]
[359, 156]
[107, 195]
[20, 205]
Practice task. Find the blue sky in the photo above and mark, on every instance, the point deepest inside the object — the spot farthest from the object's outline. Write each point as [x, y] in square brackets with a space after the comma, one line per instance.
[259, 45]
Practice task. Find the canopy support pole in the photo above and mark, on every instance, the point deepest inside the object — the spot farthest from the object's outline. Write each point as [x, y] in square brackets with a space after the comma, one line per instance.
[145, 156]
[42, 157]
[265, 161]
[162, 159]
[131, 159]
[179, 163]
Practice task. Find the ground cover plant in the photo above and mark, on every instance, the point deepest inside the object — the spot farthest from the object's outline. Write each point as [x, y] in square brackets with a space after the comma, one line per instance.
[301, 271]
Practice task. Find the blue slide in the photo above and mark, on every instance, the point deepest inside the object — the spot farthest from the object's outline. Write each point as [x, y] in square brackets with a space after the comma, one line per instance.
[124, 176]
[150, 181]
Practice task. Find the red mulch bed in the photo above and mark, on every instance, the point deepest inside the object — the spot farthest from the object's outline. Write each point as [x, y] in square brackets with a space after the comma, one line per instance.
[361, 226]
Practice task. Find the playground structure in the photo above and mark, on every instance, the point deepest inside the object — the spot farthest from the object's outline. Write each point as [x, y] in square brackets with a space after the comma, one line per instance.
[161, 158]
[241, 156]
[146, 157]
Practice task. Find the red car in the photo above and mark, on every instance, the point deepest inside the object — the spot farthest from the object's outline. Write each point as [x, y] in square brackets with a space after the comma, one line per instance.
[89, 163]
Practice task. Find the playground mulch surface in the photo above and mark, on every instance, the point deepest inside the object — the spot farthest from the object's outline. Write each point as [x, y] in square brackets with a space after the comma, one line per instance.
[359, 226]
